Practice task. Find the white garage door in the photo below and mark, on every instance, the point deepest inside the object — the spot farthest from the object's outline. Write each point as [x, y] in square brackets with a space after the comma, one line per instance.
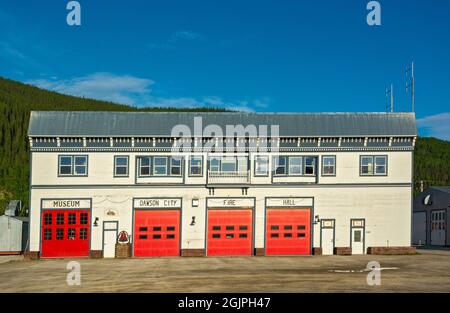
[438, 228]
[420, 228]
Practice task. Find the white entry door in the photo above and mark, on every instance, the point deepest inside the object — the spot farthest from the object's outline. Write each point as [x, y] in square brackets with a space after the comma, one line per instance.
[438, 228]
[110, 230]
[327, 236]
[357, 236]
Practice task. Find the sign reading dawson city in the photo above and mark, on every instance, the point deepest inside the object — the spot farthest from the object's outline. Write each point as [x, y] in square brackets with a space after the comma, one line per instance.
[157, 203]
[231, 203]
[66, 203]
[289, 202]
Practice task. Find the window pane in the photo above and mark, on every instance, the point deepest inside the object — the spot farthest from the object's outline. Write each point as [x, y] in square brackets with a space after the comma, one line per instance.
[366, 165]
[160, 161]
[196, 166]
[121, 170]
[329, 165]
[295, 165]
[380, 165]
[214, 165]
[81, 160]
[280, 165]
[310, 165]
[65, 160]
[145, 171]
[145, 161]
[228, 164]
[65, 170]
[121, 161]
[175, 170]
[261, 165]
[80, 170]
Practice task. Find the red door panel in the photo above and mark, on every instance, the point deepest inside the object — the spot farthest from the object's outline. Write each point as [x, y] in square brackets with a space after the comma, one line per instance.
[65, 233]
[229, 232]
[288, 231]
[156, 233]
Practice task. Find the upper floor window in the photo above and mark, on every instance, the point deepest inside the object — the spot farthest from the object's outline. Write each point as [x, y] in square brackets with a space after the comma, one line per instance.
[144, 166]
[373, 165]
[261, 165]
[196, 166]
[159, 166]
[72, 165]
[121, 166]
[294, 165]
[329, 165]
[228, 164]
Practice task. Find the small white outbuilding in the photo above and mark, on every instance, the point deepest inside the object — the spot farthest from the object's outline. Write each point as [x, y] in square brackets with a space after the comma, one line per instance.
[13, 230]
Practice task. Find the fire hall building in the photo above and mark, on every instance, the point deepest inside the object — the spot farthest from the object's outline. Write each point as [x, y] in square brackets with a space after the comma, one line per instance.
[322, 183]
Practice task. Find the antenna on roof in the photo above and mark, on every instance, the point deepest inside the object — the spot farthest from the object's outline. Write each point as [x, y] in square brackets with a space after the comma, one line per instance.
[410, 83]
[390, 98]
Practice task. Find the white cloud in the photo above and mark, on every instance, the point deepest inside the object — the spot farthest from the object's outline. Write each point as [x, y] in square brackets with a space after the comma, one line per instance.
[435, 126]
[184, 35]
[131, 90]
[174, 38]
[123, 89]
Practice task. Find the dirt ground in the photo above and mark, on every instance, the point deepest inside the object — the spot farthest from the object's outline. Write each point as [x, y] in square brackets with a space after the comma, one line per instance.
[428, 271]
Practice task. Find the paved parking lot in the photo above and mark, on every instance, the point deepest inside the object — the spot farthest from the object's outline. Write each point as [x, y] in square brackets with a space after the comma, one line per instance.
[427, 272]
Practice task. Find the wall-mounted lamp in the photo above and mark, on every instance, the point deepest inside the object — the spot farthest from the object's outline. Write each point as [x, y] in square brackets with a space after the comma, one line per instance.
[316, 219]
[195, 203]
[96, 222]
[193, 221]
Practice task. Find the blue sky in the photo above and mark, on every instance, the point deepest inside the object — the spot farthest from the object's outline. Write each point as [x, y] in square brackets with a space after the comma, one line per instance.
[281, 56]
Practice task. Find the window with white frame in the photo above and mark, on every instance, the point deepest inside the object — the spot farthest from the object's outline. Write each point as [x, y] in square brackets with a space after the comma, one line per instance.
[144, 166]
[175, 166]
[310, 165]
[280, 164]
[295, 165]
[121, 166]
[72, 165]
[329, 165]
[380, 165]
[160, 166]
[214, 165]
[373, 165]
[196, 166]
[261, 165]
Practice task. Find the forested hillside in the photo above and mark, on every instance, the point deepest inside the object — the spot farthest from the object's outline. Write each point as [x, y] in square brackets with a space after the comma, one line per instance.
[431, 164]
[16, 102]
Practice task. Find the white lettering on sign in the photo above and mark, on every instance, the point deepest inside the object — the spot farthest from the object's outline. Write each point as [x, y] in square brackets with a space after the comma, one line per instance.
[157, 203]
[230, 202]
[289, 202]
[66, 203]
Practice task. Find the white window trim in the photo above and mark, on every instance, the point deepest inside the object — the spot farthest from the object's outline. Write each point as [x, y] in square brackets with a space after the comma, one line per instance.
[370, 173]
[180, 166]
[324, 165]
[191, 158]
[296, 165]
[141, 166]
[121, 166]
[159, 166]
[266, 161]
[375, 165]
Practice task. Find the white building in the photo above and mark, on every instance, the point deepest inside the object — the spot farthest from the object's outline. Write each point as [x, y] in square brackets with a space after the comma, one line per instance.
[319, 183]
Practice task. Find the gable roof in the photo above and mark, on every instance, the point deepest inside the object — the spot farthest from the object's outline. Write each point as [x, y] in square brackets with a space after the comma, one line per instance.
[147, 124]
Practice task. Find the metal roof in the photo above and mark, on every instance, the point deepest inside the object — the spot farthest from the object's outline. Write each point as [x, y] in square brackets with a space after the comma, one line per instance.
[445, 189]
[147, 124]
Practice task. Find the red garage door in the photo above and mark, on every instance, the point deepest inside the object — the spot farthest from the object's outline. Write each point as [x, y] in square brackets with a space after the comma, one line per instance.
[288, 231]
[156, 233]
[65, 233]
[229, 232]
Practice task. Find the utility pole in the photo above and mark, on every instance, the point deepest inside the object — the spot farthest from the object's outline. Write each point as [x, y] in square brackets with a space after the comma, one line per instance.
[390, 98]
[410, 82]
